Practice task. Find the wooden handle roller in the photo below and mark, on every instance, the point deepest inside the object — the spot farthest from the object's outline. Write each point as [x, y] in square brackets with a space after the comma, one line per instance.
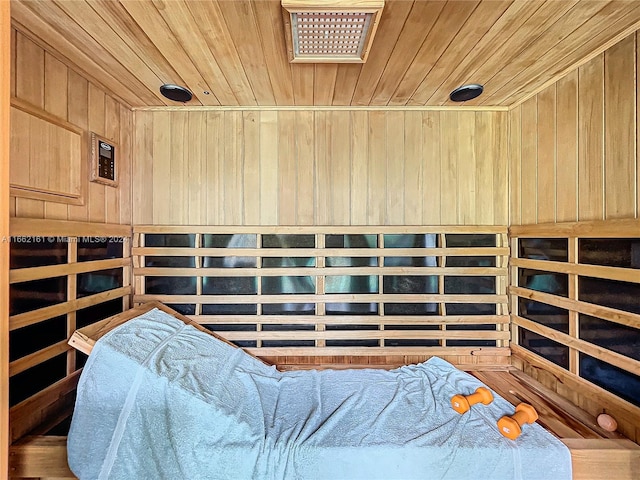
[462, 403]
[511, 427]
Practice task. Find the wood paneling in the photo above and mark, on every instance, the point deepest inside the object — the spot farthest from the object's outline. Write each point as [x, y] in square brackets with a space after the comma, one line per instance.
[320, 167]
[573, 147]
[5, 93]
[234, 52]
[47, 84]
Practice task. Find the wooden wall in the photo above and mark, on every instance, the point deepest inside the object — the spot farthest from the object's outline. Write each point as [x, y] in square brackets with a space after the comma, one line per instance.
[5, 61]
[574, 146]
[45, 82]
[320, 167]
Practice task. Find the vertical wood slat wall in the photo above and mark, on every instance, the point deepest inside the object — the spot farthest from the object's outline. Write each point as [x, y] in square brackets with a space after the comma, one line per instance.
[573, 147]
[477, 335]
[5, 62]
[45, 82]
[320, 167]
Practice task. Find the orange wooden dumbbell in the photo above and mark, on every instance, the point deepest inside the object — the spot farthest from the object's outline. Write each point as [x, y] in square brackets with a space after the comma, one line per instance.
[462, 403]
[511, 427]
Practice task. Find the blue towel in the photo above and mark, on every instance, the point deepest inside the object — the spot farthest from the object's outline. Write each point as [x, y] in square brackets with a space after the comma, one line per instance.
[161, 400]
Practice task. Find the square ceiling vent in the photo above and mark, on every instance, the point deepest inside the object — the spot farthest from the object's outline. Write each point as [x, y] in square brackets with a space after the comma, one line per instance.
[332, 31]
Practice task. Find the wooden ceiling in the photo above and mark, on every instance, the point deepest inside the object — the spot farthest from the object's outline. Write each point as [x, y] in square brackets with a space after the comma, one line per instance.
[232, 52]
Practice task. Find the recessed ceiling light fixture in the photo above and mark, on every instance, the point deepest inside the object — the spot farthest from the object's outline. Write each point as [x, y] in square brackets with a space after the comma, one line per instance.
[330, 31]
[466, 92]
[176, 93]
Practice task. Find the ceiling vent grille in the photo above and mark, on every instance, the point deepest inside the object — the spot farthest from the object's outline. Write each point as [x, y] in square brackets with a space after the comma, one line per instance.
[334, 31]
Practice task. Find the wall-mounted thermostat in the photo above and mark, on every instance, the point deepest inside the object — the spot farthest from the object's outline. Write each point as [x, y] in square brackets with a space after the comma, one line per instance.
[103, 161]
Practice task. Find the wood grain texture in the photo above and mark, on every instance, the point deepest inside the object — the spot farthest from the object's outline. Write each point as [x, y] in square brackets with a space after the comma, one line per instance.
[47, 83]
[235, 53]
[334, 167]
[574, 145]
[5, 135]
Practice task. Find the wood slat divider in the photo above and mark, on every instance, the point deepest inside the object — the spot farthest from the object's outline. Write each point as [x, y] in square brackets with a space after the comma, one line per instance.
[72, 268]
[535, 343]
[336, 331]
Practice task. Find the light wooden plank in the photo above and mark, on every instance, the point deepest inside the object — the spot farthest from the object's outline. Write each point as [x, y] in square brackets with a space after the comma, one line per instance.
[29, 71]
[588, 396]
[180, 21]
[75, 41]
[340, 165]
[305, 160]
[391, 22]
[509, 24]
[34, 411]
[432, 147]
[546, 149]
[251, 167]
[377, 169]
[412, 183]
[501, 168]
[466, 169]
[35, 316]
[161, 167]
[287, 169]
[37, 456]
[528, 170]
[302, 77]
[624, 228]
[215, 155]
[41, 227]
[591, 137]
[5, 135]
[606, 313]
[196, 167]
[78, 114]
[360, 167]
[209, 19]
[485, 154]
[148, 17]
[449, 203]
[608, 356]
[242, 23]
[268, 168]
[324, 83]
[593, 37]
[270, 27]
[417, 27]
[322, 174]
[96, 123]
[346, 81]
[49, 271]
[451, 34]
[354, 229]
[596, 271]
[55, 86]
[87, 23]
[142, 155]
[126, 155]
[112, 131]
[395, 134]
[567, 148]
[304, 298]
[233, 170]
[620, 131]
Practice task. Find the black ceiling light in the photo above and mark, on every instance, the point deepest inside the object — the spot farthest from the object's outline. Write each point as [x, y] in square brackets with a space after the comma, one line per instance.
[176, 93]
[466, 92]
